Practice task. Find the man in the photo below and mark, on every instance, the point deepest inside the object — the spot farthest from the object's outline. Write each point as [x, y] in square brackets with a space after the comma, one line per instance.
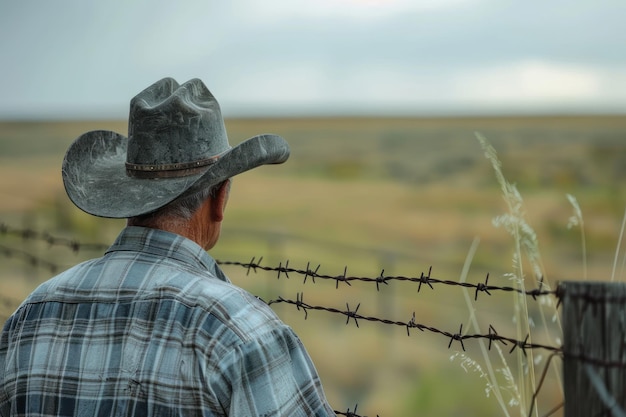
[154, 327]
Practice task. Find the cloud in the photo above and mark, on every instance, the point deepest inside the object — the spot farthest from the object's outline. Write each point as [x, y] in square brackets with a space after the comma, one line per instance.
[530, 81]
[529, 86]
[536, 85]
[320, 10]
[348, 55]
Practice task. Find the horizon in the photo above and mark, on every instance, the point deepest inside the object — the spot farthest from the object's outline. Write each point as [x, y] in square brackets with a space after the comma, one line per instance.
[325, 57]
[343, 116]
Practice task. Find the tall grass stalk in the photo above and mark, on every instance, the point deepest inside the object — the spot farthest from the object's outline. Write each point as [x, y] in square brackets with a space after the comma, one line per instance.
[493, 386]
[619, 242]
[577, 220]
[513, 223]
[526, 252]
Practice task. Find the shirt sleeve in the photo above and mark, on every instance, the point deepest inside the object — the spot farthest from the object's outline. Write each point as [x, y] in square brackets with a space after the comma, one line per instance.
[5, 405]
[272, 375]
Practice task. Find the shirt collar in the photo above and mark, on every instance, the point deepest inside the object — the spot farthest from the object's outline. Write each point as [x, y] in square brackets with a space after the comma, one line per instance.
[165, 244]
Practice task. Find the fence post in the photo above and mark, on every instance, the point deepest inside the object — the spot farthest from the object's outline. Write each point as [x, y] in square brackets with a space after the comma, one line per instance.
[594, 348]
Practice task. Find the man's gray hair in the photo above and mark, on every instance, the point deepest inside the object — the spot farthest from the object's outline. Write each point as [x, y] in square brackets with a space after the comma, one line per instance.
[181, 209]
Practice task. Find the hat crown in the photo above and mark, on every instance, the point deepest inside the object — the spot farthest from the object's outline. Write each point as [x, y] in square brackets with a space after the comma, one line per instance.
[171, 124]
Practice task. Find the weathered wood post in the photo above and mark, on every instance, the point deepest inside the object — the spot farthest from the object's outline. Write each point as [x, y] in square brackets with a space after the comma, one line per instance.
[594, 347]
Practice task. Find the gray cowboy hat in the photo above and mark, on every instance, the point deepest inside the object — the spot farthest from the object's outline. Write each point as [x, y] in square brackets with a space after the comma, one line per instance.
[176, 144]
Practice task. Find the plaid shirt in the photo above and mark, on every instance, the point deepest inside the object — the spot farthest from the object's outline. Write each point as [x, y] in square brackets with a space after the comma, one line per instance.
[153, 328]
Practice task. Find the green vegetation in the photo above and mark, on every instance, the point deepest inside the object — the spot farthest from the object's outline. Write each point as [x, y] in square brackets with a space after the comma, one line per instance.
[371, 194]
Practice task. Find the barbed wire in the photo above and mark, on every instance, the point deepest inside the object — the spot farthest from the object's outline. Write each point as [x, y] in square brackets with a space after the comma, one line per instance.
[30, 234]
[29, 258]
[423, 279]
[311, 273]
[354, 316]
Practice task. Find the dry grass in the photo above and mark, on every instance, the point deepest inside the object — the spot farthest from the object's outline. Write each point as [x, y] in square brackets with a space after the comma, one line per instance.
[371, 194]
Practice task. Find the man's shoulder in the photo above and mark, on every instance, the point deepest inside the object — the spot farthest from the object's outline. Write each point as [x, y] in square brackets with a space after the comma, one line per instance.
[218, 305]
[225, 304]
[65, 278]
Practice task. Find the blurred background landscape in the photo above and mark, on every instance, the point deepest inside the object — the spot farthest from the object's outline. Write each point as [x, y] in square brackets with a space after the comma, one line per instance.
[398, 195]
[381, 101]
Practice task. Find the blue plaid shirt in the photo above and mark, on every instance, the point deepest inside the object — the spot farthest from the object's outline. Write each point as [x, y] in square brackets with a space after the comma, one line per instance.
[153, 328]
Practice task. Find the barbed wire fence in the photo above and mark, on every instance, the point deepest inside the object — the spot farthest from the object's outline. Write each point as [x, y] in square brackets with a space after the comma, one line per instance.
[310, 273]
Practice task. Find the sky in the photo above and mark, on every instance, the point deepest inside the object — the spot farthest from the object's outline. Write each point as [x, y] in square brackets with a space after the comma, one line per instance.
[70, 59]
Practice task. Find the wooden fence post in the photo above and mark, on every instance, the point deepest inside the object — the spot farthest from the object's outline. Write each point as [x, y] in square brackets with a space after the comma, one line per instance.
[594, 347]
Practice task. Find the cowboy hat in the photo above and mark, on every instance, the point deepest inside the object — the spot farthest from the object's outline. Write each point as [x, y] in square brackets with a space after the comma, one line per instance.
[176, 143]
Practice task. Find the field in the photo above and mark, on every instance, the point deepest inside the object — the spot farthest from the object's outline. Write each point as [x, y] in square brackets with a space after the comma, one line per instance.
[370, 195]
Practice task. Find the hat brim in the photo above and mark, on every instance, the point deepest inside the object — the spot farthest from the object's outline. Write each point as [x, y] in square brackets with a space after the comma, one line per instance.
[95, 179]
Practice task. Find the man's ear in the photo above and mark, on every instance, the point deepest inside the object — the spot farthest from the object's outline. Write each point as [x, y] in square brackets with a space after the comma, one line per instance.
[218, 203]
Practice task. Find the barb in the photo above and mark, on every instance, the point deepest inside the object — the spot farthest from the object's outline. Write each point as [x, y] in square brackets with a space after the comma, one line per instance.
[492, 335]
[349, 413]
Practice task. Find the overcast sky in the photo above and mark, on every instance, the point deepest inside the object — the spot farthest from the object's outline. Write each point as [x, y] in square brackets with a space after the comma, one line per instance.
[82, 58]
